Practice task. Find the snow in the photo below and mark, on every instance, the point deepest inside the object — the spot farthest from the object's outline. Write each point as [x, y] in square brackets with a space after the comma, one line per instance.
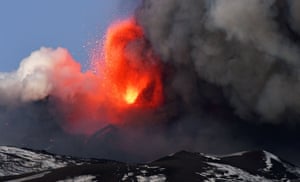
[171, 155]
[130, 174]
[268, 160]
[144, 171]
[36, 176]
[83, 178]
[15, 161]
[153, 178]
[150, 167]
[153, 167]
[227, 172]
[210, 156]
[292, 169]
[125, 177]
[234, 154]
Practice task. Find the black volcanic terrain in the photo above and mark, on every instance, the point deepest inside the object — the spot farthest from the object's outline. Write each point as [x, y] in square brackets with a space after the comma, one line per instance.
[28, 165]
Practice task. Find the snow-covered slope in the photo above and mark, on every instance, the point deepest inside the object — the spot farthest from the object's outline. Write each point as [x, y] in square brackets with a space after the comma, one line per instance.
[255, 166]
[16, 161]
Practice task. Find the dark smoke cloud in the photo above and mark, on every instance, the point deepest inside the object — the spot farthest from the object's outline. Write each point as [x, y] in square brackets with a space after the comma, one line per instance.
[238, 45]
[232, 56]
[231, 77]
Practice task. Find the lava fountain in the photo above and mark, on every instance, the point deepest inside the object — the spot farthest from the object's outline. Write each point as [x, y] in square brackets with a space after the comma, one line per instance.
[125, 77]
[129, 67]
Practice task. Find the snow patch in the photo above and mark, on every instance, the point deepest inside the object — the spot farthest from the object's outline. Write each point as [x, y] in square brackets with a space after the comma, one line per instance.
[150, 167]
[144, 172]
[234, 154]
[36, 176]
[83, 178]
[154, 178]
[130, 174]
[125, 177]
[226, 172]
[210, 156]
[268, 160]
[16, 161]
[171, 155]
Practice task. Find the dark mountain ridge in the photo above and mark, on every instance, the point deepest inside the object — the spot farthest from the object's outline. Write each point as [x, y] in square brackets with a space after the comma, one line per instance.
[30, 165]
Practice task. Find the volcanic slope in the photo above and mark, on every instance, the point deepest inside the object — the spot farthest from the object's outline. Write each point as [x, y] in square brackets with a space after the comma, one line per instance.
[29, 165]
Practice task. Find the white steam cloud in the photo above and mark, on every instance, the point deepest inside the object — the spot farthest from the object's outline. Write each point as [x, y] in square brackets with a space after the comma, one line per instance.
[33, 80]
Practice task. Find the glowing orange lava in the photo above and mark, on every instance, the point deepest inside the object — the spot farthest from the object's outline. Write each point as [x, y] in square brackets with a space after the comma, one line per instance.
[130, 68]
[131, 95]
[127, 76]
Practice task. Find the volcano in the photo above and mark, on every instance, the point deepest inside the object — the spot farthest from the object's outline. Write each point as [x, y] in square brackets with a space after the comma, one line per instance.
[213, 76]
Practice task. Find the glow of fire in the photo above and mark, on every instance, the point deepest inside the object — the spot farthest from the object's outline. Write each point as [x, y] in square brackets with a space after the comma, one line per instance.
[128, 70]
[131, 95]
[126, 76]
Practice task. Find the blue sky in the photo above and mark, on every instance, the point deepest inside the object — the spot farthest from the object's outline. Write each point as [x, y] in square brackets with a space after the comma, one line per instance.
[76, 25]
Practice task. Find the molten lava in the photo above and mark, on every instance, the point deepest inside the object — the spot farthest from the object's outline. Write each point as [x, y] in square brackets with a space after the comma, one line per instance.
[131, 95]
[130, 67]
[127, 76]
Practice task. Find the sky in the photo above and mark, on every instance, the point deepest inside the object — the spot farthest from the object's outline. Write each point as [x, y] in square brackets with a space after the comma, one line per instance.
[76, 25]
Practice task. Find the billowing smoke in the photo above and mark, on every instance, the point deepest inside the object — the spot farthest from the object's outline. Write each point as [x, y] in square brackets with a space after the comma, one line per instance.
[248, 48]
[31, 81]
[213, 76]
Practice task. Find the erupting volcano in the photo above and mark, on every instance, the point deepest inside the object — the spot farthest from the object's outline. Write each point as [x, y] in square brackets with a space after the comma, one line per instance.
[216, 77]
[126, 76]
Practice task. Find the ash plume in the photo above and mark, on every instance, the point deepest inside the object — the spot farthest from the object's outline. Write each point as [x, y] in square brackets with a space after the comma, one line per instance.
[248, 48]
[229, 71]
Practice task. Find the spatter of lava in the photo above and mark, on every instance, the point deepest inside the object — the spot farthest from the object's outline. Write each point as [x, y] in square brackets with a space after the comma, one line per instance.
[127, 76]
